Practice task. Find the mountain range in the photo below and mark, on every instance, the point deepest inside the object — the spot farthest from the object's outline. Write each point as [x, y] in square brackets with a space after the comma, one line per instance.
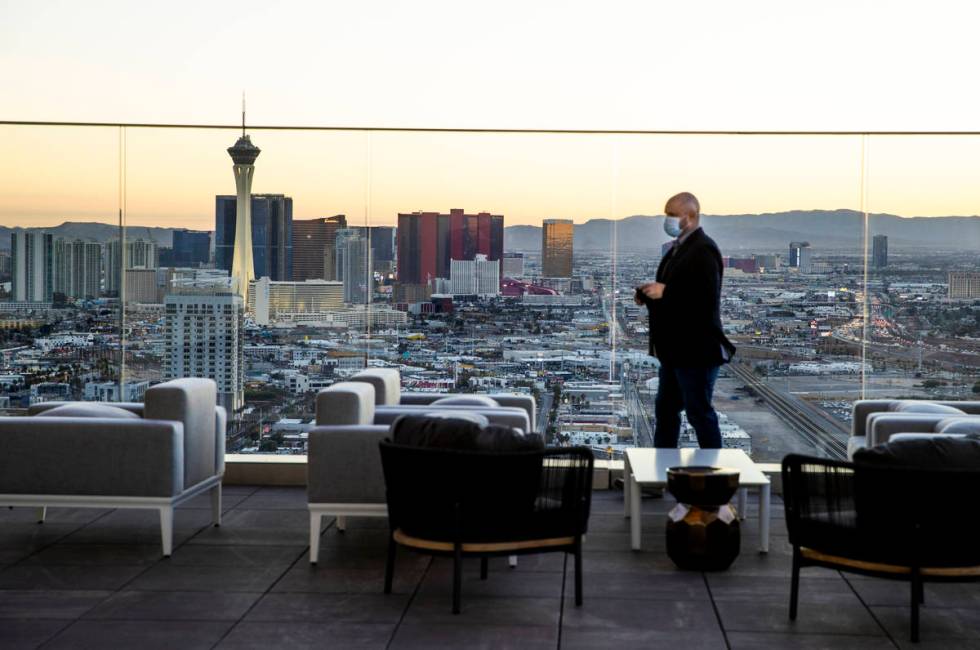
[834, 229]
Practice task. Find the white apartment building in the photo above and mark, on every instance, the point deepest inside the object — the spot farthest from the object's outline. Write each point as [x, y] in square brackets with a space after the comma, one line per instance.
[204, 338]
[480, 277]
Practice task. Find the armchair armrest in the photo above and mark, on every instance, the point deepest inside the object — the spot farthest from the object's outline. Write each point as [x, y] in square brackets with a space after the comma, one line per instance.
[220, 432]
[91, 456]
[862, 409]
[344, 464]
[968, 407]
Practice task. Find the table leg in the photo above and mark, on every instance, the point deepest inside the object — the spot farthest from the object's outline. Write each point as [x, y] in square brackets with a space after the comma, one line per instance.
[743, 496]
[635, 521]
[626, 486]
[764, 518]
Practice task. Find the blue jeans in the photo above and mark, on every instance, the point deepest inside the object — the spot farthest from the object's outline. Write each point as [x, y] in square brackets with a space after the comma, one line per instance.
[689, 389]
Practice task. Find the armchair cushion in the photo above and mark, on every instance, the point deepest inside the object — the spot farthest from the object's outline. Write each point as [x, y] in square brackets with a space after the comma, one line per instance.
[966, 425]
[915, 406]
[466, 400]
[468, 416]
[933, 452]
[83, 410]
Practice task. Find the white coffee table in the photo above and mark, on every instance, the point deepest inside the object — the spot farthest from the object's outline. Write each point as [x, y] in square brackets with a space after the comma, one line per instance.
[645, 466]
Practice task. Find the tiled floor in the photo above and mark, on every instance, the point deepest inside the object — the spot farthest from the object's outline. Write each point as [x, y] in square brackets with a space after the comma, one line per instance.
[95, 579]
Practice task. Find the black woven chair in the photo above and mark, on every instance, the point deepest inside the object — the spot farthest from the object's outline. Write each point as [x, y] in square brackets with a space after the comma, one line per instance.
[899, 523]
[482, 503]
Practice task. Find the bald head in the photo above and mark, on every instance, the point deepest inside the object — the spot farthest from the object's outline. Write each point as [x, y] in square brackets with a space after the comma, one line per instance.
[683, 203]
[685, 206]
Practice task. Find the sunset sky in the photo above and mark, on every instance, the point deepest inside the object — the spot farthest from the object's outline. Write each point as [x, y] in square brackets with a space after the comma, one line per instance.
[615, 65]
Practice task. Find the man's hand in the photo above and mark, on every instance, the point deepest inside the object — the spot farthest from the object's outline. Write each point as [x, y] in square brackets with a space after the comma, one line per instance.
[653, 290]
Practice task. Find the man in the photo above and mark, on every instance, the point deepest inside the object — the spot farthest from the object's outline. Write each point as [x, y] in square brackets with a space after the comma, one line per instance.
[685, 326]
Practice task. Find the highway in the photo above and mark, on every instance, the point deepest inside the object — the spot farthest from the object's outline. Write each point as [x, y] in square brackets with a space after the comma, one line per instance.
[809, 422]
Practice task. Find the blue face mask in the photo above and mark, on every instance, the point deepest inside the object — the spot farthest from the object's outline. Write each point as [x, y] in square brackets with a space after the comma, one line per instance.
[672, 226]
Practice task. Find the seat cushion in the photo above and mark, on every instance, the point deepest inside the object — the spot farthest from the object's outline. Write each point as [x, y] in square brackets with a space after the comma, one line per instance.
[916, 406]
[466, 400]
[83, 410]
[959, 425]
[932, 452]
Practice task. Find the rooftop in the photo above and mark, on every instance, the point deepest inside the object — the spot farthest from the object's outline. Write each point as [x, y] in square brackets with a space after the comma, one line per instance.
[96, 579]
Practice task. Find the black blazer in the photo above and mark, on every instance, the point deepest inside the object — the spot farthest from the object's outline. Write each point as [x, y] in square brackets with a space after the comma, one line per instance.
[685, 325]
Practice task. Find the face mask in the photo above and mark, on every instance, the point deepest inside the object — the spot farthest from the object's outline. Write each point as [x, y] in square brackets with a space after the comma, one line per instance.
[672, 226]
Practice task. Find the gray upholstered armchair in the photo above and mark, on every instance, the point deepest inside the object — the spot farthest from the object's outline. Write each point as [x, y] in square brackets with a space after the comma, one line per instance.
[388, 392]
[877, 421]
[152, 455]
[344, 464]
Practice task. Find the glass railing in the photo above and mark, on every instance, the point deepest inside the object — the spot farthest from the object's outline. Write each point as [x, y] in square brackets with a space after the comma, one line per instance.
[486, 261]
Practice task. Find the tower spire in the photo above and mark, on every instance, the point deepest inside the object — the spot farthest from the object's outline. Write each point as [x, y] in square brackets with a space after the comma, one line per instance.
[243, 113]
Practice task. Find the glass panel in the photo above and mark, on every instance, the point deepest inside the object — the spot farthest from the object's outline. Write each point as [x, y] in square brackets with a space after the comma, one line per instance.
[791, 279]
[59, 205]
[924, 269]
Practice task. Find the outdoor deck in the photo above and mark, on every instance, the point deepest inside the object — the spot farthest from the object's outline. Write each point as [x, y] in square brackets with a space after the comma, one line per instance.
[89, 578]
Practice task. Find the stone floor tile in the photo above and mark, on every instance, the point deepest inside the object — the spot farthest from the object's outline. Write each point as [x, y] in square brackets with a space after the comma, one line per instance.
[306, 635]
[173, 577]
[413, 636]
[174, 606]
[335, 608]
[48, 604]
[145, 635]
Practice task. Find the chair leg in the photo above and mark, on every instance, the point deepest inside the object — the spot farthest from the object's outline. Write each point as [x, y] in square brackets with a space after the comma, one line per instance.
[167, 529]
[916, 587]
[794, 585]
[216, 505]
[390, 564]
[42, 512]
[341, 523]
[512, 561]
[314, 536]
[457, 576]
[484, 568]
[578, 571]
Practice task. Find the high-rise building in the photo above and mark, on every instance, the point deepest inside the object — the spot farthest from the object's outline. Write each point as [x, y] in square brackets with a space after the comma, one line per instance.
[204, 338]
[77, 268]
[142, 286]
[427, 241]
[799, 256]
[557, 236]
[140, 254]
[513, 265]
[191, 248]
[479, 277]
[382, 248]
[237, 239]
[314, 242]
[5, 266]
[964, 285]
[269, 299]
[354, 266]
[271, 235]
[879, 251]
[32, 266]
[767, 262]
